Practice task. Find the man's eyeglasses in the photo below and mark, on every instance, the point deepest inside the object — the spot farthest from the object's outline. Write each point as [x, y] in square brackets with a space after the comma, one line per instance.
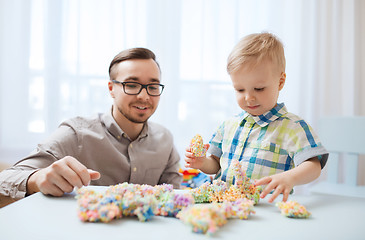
[134, 88]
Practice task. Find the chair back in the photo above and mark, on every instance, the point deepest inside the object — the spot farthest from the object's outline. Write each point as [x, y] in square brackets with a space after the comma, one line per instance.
[344, 138]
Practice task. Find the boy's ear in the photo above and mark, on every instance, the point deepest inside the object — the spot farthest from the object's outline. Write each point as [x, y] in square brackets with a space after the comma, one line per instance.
[282, 80]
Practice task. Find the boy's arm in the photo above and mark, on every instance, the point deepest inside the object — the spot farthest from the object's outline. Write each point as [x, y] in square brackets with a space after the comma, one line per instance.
[284, 182]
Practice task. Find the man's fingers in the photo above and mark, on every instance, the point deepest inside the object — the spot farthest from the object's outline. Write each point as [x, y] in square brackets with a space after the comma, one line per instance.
[60, 177]
[53, 190]
[94, 175]
[83, 176]
[67, 173]
[54, 184]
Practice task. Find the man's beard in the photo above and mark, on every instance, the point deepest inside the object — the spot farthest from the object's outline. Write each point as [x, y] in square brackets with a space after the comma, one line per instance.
[130, 118]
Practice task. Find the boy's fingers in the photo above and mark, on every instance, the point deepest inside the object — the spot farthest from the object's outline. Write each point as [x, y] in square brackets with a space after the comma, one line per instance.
[286, 195]
[263, 181]
[189, 154]
[268, 188]
[275, 194]
[266, 191]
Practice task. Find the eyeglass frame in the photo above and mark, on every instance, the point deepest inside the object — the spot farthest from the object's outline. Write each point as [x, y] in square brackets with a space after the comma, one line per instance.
[143, 86]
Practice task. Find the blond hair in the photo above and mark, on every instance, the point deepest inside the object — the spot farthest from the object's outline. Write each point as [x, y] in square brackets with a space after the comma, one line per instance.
[254, 49]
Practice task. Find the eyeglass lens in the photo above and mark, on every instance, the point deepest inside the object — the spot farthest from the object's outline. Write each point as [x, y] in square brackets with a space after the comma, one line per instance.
[136, 88]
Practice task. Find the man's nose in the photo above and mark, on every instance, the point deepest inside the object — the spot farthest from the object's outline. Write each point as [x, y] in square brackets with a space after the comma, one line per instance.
[143, 94]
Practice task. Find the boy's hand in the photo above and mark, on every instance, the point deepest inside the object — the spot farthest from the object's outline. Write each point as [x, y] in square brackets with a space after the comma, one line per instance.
[284, 182]
[60, 177]
[280, 183]
[192, 161]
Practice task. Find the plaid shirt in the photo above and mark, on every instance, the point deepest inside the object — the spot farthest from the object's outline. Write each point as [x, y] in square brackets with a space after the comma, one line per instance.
[265, 145]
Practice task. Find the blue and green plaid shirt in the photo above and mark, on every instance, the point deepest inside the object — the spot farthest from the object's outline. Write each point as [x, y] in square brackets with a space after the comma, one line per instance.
[265, 145]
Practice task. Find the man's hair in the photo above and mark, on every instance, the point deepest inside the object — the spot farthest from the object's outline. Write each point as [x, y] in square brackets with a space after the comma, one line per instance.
[128, 54]
[254, 49]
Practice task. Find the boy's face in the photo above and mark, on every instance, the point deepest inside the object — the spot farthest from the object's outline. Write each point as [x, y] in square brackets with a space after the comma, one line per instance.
[257, 89]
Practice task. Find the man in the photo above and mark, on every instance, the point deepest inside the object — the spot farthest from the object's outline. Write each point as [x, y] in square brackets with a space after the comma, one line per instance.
[115, 147]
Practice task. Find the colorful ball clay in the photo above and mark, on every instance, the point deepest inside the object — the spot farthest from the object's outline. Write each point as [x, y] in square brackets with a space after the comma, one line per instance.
[207, 218]
[125, 199]
[197, 146]
[145, 201]
[293, 209]
[220, 191]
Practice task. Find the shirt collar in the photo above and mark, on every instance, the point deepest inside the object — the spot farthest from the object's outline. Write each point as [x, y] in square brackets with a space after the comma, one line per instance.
[266, 118]
[113, 128]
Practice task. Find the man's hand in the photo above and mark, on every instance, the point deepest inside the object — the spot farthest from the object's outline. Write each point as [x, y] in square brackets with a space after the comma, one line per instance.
[60, 177]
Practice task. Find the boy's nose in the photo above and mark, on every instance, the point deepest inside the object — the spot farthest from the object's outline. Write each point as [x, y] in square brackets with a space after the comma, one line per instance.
[249, 97]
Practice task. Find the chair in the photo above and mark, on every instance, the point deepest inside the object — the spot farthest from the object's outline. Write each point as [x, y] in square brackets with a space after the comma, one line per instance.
[344, 138]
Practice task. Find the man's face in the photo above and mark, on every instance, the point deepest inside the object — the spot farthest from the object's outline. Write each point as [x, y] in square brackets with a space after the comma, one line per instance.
[134, 108]
[257, 89]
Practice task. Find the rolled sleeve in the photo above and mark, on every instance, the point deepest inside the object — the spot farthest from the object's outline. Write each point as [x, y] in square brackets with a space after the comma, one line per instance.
[214, 150]
[320, 152]
[14, 184]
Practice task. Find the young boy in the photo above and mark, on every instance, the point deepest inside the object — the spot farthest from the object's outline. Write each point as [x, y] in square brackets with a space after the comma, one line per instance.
[274, 146]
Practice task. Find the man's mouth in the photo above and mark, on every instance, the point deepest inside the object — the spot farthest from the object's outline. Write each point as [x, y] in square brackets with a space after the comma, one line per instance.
[141, 108]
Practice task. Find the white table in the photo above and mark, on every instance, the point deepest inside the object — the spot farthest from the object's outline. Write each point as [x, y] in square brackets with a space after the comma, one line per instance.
[45, 217]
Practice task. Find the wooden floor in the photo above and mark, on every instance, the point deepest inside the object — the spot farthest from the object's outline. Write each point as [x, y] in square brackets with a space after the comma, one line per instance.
[4, 166]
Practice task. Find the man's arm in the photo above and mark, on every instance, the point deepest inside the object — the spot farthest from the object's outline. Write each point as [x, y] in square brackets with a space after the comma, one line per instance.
[13, 181]
[60, 177]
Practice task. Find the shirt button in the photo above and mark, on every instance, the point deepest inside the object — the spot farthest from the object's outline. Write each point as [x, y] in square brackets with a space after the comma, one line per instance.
[134, 169]
[131, 145]
[118, 137]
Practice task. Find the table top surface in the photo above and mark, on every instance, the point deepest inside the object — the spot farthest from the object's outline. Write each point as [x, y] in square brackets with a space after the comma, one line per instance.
[45, 217]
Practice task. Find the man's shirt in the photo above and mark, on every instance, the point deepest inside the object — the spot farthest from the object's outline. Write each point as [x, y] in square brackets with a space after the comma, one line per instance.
[100, 144]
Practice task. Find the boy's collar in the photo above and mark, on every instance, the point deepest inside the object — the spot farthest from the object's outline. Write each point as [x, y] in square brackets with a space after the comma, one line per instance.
[267, 117]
